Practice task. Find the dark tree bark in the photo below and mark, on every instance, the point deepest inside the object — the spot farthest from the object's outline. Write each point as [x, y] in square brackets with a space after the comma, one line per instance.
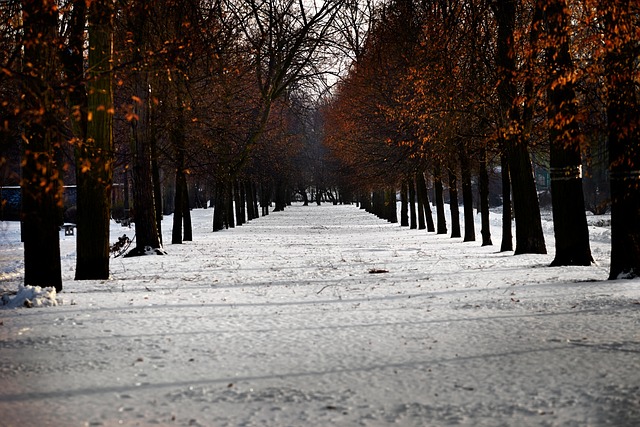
[186, 213]
[483, 184]
[265, 198]
[254, 192]
[390, 206]
[412, 205]
[404, 205]
[41, 184]
[143, 191]
[176, 231]
[421, 217]
[126, 203]
[440, 217]
[94, 170]
[230, 211]
[305, 198]
[177, 136]
[623, 117]
[378, 204]
[453, 205]
[248, 189]
[280, 202]
[239, 203]
[73, 61]
[467, 198]
[147, 236]
[365, 202]
[219, 210]
[423, 194]
[529, 236]
[569, 218]
[507, 234]
[157, 189]
[243, 202]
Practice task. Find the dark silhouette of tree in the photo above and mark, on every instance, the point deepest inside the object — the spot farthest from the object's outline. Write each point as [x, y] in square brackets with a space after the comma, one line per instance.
[569, 218]
[529, 236]
[454, 204]
[41, 181]
[94, 151]
[142, 131]
[623, 122]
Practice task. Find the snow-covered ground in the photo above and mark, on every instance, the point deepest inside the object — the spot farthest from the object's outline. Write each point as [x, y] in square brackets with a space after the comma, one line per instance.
[281, 322]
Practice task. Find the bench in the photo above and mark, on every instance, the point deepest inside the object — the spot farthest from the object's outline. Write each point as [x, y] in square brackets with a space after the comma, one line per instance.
[68, 229]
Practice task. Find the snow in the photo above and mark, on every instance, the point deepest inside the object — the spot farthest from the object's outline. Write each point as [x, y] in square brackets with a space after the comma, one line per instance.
[30, 296]
[280, 322]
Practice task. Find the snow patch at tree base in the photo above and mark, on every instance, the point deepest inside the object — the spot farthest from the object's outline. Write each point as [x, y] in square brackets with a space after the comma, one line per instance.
[148, 250]
[31, 296]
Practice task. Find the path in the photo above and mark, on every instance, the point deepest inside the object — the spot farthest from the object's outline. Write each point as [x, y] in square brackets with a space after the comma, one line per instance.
[280, 322]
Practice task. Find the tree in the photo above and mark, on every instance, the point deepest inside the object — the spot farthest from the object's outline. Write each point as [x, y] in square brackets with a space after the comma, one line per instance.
[41, 181]
[441, 221]
[569, 218]
[483, 184]
[454, 204]
[623, 124]
[467, 197]
[529, 236]
[147, 235]
[181, 197]
[285, 41]
[94, 153]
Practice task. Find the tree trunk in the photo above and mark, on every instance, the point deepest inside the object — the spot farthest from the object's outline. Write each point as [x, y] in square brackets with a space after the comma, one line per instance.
[265, 196]
[365, 203]
[186, 213]
[569, 218]
[390, 204]
[147, 236]
[529, 236]
[404, 205]
[467, 198]
[94, 170]
[143, 191]
[412, 205]
[176, 231]
[378, 204]
[305, 197]
[230, 211]
[623, 116]
[507, 236]
[157, 188]
[41, 184]
[440, 217]
[240, 201]
[254, 192]
[126, 203]
[248, 188]
[177, 136]
[280, 202]
[423, 194]
[483, 184]
[420, 202]
[219, 210]
[453, 205]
